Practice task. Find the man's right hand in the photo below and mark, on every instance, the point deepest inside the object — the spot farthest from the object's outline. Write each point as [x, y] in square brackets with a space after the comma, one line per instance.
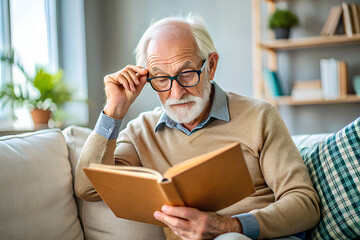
[122, 88]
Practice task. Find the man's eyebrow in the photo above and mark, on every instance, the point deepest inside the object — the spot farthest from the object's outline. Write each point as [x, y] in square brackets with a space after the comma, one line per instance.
[185, 65]
[155, 69]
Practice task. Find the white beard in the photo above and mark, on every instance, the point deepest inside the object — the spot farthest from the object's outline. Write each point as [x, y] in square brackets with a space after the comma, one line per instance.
[184, 114]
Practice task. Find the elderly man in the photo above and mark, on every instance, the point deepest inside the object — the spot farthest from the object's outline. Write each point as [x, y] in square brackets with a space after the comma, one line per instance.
[178, 58]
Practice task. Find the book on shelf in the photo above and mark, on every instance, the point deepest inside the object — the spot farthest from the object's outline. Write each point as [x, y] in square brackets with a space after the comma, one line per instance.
[343, 78]
[347, 18]
[333, 20]
[306, 90]
[209, 182]
[342, 19]
[272, 82]
[355, 13]
[333, 78]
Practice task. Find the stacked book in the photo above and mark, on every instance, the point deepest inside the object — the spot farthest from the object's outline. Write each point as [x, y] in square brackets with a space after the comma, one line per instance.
[306, 90]
[333, 78]
[272, 83]
[344, 18]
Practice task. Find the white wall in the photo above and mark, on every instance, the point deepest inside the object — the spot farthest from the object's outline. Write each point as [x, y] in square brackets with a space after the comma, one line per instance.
[113, 28]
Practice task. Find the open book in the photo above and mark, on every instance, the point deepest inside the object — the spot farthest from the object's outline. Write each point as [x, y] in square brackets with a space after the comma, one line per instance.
[209, 182]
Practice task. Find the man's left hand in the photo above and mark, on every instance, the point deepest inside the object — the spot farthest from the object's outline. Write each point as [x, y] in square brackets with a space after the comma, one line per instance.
[191, 223]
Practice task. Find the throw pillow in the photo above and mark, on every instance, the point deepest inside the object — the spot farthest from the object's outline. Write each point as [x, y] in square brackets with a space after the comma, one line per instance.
[335, 171]
[36, 188]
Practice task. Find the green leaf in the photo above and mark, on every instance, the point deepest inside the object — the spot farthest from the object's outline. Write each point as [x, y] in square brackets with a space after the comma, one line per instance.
[51, 88]
[283, 18]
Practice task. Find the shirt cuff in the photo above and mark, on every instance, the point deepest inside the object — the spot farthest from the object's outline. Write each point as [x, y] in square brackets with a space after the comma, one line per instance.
[107, 127]
[249, 224]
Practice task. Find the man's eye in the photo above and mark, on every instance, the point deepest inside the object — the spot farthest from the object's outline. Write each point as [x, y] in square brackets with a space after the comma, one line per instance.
[187, 74]
[161, 80]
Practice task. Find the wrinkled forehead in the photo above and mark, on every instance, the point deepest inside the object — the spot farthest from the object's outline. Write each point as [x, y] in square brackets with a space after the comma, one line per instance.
[172, 40]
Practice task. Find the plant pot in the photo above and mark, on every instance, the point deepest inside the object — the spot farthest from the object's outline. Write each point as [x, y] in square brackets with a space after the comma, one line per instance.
[282, 33]
[40, 117]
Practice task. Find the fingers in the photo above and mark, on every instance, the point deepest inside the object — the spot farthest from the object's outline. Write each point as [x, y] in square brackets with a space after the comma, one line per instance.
[195, 224]
[181, 212]
[129, 77]
[179, 226]
[171, 221]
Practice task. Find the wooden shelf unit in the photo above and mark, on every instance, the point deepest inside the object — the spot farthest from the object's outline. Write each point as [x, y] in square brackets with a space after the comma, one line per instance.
[272, 46]
[287, 100]
[311, 42]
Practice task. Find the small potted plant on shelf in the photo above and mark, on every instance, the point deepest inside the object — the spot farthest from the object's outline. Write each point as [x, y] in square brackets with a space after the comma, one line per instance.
[281, 21]
[44, 93]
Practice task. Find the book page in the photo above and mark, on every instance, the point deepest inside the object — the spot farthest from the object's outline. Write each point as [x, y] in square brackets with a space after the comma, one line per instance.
[130, 170]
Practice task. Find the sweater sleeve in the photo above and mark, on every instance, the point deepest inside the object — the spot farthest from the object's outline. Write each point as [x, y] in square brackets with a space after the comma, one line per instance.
[98, 148]
[249, 225]
[101, 147]
[296, 206]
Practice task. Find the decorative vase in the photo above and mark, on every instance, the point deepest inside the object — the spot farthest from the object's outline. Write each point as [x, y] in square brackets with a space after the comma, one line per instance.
[40, 117]
[282, 33]
[356, 84]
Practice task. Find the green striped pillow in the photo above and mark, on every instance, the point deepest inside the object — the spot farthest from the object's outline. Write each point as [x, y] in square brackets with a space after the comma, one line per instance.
[335, 171]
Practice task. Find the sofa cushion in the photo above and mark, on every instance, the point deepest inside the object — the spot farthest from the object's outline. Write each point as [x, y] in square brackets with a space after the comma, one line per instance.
[335, 171]
[36, 188]
[308, 140]
[101, 223]
[75, 137]
[98, 220]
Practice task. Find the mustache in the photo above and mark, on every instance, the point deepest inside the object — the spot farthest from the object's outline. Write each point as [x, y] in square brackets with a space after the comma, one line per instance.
[186, 99]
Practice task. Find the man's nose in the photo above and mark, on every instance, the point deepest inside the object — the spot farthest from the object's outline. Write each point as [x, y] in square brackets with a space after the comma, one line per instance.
[177, 91]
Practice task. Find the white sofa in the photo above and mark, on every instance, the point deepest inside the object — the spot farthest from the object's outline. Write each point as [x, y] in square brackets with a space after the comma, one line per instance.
[37, 195]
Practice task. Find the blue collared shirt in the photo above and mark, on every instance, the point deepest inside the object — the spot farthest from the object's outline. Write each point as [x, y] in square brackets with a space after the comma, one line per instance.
[109, 128]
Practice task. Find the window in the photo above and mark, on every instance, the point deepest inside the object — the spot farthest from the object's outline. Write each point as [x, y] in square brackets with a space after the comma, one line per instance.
[28, 27]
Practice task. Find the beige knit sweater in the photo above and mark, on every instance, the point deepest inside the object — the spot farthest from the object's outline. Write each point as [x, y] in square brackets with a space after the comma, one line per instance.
[285, 201]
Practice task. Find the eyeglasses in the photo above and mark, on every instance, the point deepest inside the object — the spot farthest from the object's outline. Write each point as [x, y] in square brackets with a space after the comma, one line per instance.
[184, 79]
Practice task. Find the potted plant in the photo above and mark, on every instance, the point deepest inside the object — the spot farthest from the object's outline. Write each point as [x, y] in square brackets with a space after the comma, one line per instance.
[44, 94]
[282, 21]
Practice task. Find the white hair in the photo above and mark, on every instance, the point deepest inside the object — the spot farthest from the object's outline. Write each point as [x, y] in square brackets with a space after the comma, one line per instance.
[197, 27]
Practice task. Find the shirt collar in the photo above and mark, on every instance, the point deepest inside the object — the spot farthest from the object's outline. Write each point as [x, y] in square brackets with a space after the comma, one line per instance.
[219, 109]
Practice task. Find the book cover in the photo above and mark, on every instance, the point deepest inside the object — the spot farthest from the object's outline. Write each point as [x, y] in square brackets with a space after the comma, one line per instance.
[332, 21]
[347, 20]
[276, 79]
[335, 20]
[325, 27]
[355, 11]
[343, 78]
[209, 182]
[272, 81]
[325, 78]
[334, 79]
[306, 90]
[306, 94]
[269, 83]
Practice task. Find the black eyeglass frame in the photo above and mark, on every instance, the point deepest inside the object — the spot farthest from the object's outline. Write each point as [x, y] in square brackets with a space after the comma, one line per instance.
[172, 78]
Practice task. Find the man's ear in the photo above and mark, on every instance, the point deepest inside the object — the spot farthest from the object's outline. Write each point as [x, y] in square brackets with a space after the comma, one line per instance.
[213, 60]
